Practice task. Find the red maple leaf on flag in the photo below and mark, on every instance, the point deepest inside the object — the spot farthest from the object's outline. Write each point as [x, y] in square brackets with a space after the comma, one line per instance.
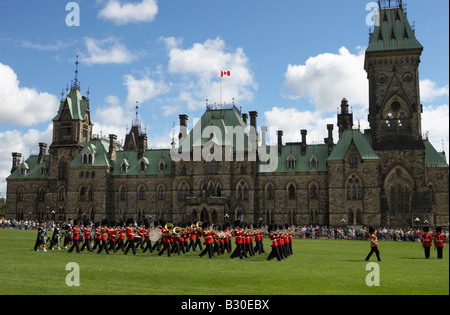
[225, 73]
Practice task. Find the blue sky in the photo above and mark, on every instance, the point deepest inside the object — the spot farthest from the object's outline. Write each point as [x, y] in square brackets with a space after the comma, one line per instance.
[292, 61]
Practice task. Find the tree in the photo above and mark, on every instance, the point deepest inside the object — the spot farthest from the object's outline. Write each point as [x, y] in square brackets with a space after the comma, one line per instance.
[2, 207]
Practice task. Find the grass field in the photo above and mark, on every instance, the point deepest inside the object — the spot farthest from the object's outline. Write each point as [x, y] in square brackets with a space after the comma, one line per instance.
[325, 267]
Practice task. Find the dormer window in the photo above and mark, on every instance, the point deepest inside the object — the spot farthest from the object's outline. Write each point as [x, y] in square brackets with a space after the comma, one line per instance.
[124, 166]
[313, 162]
[88, 158]
[162, 166]
[24, 169]
[143, 163]
[290, 162]
[43, 170]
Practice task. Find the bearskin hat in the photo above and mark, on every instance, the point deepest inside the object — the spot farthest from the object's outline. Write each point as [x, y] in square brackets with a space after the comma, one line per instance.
[426, 229]
[439, 229]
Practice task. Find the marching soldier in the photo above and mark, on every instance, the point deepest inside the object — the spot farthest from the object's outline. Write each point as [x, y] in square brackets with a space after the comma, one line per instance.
[274, 244]
[98, 235]
[121, 237]
[130, 237]
[76, 237]
[373, 245]
[148, 242]
[104, 237]
[208, 241]
[239, 250]
[166, 237]
[68, 234]
[87, 237]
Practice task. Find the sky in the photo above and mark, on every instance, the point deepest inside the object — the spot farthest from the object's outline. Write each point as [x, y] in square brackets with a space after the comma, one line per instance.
[292, 61]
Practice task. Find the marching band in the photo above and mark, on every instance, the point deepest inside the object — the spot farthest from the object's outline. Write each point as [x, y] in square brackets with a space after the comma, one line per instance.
[217, 240]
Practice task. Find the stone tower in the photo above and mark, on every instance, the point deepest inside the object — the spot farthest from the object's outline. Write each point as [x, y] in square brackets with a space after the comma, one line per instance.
[395, 113]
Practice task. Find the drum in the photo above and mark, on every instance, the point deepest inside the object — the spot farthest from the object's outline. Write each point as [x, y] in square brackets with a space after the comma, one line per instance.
[155, 235]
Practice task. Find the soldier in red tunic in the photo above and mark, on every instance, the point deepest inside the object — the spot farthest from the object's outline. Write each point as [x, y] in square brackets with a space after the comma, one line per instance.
[239, 250]
[76, 237]
[207, 234]
[439, 242]
[274, 244]
[104, 235]
[166, 236]
[130, 237]
[87, 237]
[426, 240]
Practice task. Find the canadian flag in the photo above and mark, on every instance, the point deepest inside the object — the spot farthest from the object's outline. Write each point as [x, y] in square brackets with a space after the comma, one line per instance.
[225, 73]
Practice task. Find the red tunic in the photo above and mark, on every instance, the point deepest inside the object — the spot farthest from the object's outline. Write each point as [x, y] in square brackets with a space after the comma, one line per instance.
[426, 240]
[439, 241]
[130, 234]
[87, 233]
[208, 237]
[237, 234]
[76, 236]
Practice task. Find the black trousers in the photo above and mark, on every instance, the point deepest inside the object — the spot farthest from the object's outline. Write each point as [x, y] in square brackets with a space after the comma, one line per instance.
[208, 249]
[439, 252]
[103, 245]
[148, 246]
[427, 251]
[86, 244]
[96, 243]
[76, 244]
[166, 247]
[120, 245]
[374, 250]
[274, 253]
[239, 251]
[130, 246]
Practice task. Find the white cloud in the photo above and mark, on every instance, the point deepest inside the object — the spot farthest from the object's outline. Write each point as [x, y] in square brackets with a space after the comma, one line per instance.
[291, 121]
[22, 105]
[105, 51]
[142, 90]
[429, 90]
[135, 12]
[327, 78]
[435, 122]
[200, 67]
[22, 143]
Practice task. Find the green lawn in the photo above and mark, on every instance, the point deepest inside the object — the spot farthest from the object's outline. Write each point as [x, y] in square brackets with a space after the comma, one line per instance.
[327, 267]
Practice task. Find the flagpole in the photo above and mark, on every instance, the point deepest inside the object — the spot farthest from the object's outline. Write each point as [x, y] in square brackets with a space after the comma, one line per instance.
[220, 99]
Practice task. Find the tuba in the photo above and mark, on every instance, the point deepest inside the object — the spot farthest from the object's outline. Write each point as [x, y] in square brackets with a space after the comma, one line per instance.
[199, 224]
[169, 226]
[176, 230]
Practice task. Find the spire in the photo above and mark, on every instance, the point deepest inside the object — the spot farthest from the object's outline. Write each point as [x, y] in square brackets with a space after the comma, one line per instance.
[75, 82]
[136, 122]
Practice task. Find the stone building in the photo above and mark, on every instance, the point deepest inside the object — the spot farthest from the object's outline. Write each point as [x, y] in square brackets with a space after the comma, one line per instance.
[222, 169]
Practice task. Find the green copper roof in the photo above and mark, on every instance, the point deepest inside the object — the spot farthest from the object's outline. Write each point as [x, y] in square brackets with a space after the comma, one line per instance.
[99, 149]
[221, 123]
[434, 158]
[76, 104]
[151, 158]
[393, 33]
[302, 163]
[34, 170]
[362, 145]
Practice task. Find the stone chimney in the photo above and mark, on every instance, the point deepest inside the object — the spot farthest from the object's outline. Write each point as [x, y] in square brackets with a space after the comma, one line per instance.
[15, 161]
[263, 135]
[42, 151]
[183, 127]
[329, 140]
[142, 145]
[112, 148]
[304, 133]
[245, 118]
[280, 141]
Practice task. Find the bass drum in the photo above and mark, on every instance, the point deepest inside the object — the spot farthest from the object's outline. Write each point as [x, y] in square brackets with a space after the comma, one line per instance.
[155, 235]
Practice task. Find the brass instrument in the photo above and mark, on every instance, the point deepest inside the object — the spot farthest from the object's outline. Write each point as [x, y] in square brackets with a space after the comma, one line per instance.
[176, 230]
[193, 226]
[199, 225]
[169, 226]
